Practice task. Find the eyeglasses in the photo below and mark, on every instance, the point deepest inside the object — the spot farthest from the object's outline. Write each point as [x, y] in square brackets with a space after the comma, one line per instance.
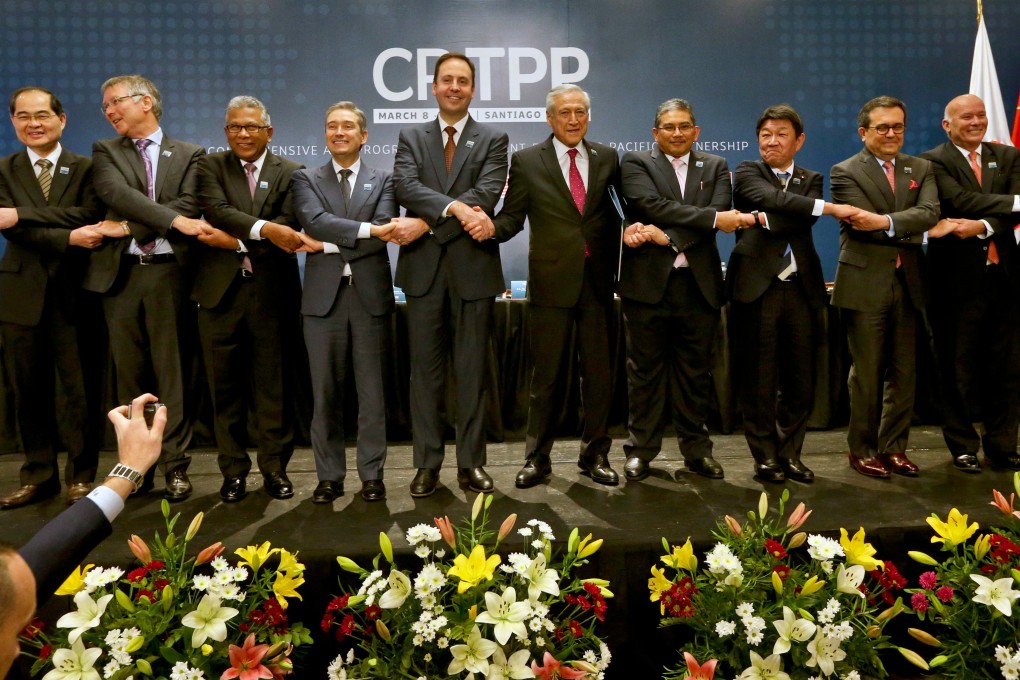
[37, 117]
[886, 129]
[669, 128]
[117, 100]
[235, 129]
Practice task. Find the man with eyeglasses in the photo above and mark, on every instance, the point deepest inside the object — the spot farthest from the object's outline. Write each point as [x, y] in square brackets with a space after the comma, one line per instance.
[248, 292]
[47, 210]
[974, 288]
[144, 268]
[879, 285]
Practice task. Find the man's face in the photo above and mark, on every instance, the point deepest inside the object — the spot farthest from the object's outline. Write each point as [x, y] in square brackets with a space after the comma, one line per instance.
[676, 132]
[20, 613]
[569, 118]
[130, 116]
[344, 136]
[248, 146]
[967, 122]
[453, 88]
[881, 137]
[35, 123]
[778, 143]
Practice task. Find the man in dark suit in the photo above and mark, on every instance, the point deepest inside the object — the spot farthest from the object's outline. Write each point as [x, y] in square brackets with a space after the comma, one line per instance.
[672, 288]
[561, 187]
[449, 270]
[348, 208]
[879, 285]
[975, 280]
[248, 290]
[147, 181]
[48, 207]
[776, 288]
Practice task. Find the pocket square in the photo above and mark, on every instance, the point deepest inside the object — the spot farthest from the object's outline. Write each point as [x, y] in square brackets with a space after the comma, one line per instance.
[913, 185]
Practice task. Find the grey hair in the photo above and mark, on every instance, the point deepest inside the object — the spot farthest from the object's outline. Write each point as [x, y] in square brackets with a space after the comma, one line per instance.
[550, 99]
[244, 101]
[137, 84]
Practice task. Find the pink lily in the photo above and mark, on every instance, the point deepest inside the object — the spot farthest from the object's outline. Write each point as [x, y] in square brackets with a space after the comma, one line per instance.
[553, 669]
[734, 526]
[697, 671]
[798, 517]
[446, 530]
[139, 549]
[1002, 504]
[246, 661]
[209, 554]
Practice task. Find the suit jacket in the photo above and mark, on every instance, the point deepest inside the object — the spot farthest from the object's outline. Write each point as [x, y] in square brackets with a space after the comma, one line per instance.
[37, 253]
[653, 197]
[867, 259]
[559, 233]
[320, 209]
[422, 185]
[120, 182]
[760, 254]
[962, 261]
[227, 204]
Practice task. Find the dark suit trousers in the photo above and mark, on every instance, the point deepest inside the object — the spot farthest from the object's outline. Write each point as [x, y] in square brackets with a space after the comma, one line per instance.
[39, 356]
[669, 352]
[248, 365]
[150, 337]
[549, 332]
[348, 331]
[776, 356]
[883, 374]
[438, 322]
[976, 340]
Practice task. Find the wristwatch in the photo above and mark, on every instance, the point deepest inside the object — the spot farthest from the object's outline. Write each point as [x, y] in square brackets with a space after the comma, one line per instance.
[124, 472]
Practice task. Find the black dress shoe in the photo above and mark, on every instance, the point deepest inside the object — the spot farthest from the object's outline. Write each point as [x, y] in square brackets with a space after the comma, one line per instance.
[327, 491]
[178, 486]
[1008, 462]
[968, 462]
[278, 485]
[373, 490]
[233, 489]
[424, 482]
[535, 470]
[476, 479]
[869, 467]
[768, 470]
[635, 469]
[706, 467]
[795, 469]
[597, 467]
[29, 493]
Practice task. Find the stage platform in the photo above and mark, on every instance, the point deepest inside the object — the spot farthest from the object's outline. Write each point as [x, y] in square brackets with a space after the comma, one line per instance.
[632, 518]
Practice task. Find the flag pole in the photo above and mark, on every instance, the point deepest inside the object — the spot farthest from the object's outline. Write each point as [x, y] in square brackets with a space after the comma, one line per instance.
[980, 11]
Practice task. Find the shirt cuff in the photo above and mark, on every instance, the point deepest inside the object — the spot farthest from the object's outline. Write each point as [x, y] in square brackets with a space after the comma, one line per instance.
[892, 227]
[365, 230]
[715, 220]
[989, 232]
[108, 500]
[764, 219]
[330, 248]
[819, 208]
[256, 231]
[1016, 203]
[446, 210]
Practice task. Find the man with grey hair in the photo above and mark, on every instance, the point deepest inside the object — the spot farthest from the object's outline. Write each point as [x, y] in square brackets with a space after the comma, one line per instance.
[144, 267]
[561, 186]
[248, 292]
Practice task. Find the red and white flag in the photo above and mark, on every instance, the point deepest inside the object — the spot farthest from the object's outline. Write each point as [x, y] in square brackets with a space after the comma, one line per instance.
[984, 82]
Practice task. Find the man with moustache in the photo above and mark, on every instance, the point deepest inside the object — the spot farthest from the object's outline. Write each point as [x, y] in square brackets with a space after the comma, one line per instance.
[974, 287]
[47, 207]
[349, 209]
[879, 285]
[248, 290]
[144, 270]
[450, 271]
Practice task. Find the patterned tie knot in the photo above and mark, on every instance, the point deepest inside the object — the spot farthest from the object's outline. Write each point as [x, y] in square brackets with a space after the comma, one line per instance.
[44, 163]
[450, 130]
[887, 165]
[143, 144]
[250, 168]
[572, 153]
[346, 173]
[783, 176]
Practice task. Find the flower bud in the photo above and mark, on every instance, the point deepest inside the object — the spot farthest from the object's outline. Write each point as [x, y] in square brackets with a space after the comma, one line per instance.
[914, 658]
[734, 526]
[209, 554]
[281, 646]
[446, 530]
[982, 544]
[386, 546]
[347, 564]
[924, 637]
[472, 612]
[812, 585]
[193, 528]
[586, 549]
[506, 527]
[124, 600]
[777, 583]
[135, 644]
[874, 631]
[763, 506]
[572, 540]
[140, 549]
[805, 614]
[207, 650]
[582, 665]
[888, 614]
[167, 598]
[476, 507]
[938, 661]
[382, 630]
[144, 667]
[923, 558]
[798, 517]
[797, 540]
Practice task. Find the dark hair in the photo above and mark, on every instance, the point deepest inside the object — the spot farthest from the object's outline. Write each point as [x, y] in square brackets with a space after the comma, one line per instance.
[453, 55]
[673, 105]
[55, 104]
[349, 106]
[883, 102]
[781, 112]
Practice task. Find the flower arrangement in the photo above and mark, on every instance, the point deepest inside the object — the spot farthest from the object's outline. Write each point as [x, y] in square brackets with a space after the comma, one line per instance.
[968, 594]
[762, 608]
[528, 616]
[175, 617]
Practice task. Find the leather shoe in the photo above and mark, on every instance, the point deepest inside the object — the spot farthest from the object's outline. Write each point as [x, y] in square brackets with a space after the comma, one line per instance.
[476, 479]
[635, 469]
[233, 489]
[1009, 462]
[794, 469]
[29, 493]
[78, 491]
[424, 483]
[178, 486]
[968, 462]
[597, 467]
[768, 470]
[899, 463]
[327, 491]
[535, 470]
[278, 485]
[706, 467]
[869, 467]
[373, 490]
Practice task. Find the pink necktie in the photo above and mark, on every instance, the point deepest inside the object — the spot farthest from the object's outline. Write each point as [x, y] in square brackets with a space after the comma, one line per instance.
[681, 178]
[891, 176]
[250, 168]
[576, 183]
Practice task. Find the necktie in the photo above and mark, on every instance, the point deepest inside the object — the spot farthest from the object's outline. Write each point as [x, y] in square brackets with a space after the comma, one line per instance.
[975, 166]
[576, 183]
[45, 177]
[789, 266]
[993, 252]
[681, 177]
[250, 169]
[450, 147]
[784, 177]
[143, 145]
[345, 185]
[889, 175]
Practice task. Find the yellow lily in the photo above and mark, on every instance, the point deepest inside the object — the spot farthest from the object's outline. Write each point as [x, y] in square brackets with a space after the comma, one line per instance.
[286, 585]
[812, 585]
[473, 569]
[587, 547]
[682, 557]
[858, 551]
[289, 563]
[254, 556]
[952, 532]
[657, 585]
[75, 582]
[982, 544]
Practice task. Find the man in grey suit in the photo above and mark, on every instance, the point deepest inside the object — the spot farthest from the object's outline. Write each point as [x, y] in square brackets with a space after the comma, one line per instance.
[143, 269]
[449, 268]
[879, 285]
[349, 209]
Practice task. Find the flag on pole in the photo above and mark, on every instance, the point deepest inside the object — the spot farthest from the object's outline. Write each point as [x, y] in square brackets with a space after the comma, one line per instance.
[984, 83]
[1016, 124]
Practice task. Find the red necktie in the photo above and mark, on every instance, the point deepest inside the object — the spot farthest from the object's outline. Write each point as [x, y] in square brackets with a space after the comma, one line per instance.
[577, 191]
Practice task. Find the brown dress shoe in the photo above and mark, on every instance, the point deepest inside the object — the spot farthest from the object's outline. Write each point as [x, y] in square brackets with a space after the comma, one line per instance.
[78, 491]
[869, 467]
[29, 493]
[899, 463]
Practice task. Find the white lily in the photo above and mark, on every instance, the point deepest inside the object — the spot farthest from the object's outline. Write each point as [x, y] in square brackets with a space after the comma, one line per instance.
[998, 594]
[541, 579]
[770, 668]
[88, 615]
[209, 621]
[514, 668]
[506, 614]
[791, 629]
[825, 652]
[75, 663]
[400, 588]
[473, 656]
[849, 579]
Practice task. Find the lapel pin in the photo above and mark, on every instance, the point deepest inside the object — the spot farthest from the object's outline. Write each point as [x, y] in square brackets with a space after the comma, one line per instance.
[796, 180]
[64, 170]
[367, 186]
[263, 185]
[908, 170]
[992, 165]
[699, 164]
[167, 153]
[469, 143]
[594, 152]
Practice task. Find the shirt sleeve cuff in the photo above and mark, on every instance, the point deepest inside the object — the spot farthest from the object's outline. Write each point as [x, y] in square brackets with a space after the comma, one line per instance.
[819, 208]
[1016, 203]
[365, 230]
[892, 227]
[256, 231]
[446, 210]
[108, 500]
[989, 232]
[330, 248]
